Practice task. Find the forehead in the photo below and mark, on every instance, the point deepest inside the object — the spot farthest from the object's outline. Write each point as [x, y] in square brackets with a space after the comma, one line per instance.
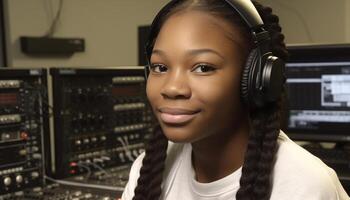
[198, 28]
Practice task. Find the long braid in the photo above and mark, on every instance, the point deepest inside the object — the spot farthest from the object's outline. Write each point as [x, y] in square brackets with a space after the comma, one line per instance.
[265, 122]
[149, 182]
[159, 164]
[145, 170]
[272, 123]
[249, 169]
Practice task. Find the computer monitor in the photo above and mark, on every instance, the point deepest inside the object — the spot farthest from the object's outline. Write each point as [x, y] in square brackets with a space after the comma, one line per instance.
[318, 86]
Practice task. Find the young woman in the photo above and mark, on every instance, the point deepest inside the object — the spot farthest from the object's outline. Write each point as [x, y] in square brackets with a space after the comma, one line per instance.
[225, 144]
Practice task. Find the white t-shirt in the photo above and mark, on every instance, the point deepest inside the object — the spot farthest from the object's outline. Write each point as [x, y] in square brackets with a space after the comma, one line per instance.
[297, 175]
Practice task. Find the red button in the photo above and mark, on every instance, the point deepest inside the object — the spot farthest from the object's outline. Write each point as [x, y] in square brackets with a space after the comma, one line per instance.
[24, 135]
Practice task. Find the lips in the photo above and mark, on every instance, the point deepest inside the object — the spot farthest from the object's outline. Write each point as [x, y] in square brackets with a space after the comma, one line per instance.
[177, 115]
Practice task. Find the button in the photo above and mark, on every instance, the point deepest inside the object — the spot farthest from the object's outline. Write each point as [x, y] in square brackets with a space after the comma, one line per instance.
[19, 179]
[22, 152]
[19, 194]
[6, 136]
[37, 156]
[78, 142]
[7, 181]
[88, 195]
[37, 189]
[77, 193]
[35, 149]
[35, 175]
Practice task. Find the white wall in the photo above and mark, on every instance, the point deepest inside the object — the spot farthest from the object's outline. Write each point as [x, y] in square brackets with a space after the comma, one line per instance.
[347, 20]
[110, 26]
[313, 21]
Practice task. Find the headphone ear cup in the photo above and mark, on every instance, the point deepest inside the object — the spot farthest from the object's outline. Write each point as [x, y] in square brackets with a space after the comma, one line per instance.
[273, 78]
[246, 75]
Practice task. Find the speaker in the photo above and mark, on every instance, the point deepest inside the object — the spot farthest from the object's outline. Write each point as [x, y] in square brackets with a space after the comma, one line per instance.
[51, 46]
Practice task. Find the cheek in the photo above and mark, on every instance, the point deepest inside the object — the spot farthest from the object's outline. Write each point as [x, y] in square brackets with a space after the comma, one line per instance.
[152, 91]
[219, 93]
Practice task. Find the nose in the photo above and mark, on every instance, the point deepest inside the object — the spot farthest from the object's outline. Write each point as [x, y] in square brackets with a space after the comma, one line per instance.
[176, 86]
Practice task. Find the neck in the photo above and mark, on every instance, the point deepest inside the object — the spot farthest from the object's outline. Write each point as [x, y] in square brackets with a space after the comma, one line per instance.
[219, 155]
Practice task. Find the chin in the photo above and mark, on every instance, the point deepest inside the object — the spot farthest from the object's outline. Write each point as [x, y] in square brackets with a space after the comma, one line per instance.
[178, 134]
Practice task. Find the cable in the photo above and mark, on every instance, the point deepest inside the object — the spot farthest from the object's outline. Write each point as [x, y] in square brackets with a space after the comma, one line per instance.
[53, 26]
[71, 183]
[126, 149]
[98, 167]
[126, 140]
[87, 169]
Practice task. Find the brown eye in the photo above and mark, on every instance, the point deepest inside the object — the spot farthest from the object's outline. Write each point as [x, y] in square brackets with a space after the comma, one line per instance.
[203, 68]
[158, 68]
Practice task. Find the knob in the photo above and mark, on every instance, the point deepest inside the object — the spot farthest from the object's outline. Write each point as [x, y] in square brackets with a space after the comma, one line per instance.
[19, 179]
[7, 181]
[88, 196]
[22, 152]
[19, 194]
[6, 136]
[77, 142]
[101, 119]
[86, 141]
[35, 149]
[37, 189]
[24, 135]
[78, 193]
[35, 175]
[37, 156]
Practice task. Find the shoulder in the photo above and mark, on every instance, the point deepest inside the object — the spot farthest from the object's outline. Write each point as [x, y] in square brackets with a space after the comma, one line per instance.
[134, 174]
[300, 175]
[172, 157]
[292, 157]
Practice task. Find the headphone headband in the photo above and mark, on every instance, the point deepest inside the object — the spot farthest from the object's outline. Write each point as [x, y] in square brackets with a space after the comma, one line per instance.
[248, 13]
[244, 8]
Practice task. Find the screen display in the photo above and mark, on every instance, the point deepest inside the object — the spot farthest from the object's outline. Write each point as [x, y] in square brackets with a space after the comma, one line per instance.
[8, 99]
[319, 98]
[126, 90]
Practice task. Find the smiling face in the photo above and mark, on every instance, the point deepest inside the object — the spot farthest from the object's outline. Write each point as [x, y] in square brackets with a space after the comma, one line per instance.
[194, 83]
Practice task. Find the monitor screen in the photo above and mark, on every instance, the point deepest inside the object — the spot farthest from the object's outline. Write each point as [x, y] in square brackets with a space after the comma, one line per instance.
[318, 87]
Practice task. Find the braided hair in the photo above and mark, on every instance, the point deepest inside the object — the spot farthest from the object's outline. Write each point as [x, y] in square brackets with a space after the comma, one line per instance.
[256, 179]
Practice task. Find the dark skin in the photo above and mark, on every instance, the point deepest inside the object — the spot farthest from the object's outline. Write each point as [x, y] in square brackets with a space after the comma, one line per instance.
[194, 90]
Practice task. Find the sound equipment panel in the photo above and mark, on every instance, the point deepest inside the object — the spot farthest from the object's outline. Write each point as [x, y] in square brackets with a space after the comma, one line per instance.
[101, 119]
[23, 123]
[70, 133]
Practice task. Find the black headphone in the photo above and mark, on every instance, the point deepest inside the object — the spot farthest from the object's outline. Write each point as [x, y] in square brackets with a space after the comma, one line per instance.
[263, 76]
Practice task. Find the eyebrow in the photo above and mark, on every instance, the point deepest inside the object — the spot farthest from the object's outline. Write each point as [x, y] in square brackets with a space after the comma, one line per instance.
[192, 52]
